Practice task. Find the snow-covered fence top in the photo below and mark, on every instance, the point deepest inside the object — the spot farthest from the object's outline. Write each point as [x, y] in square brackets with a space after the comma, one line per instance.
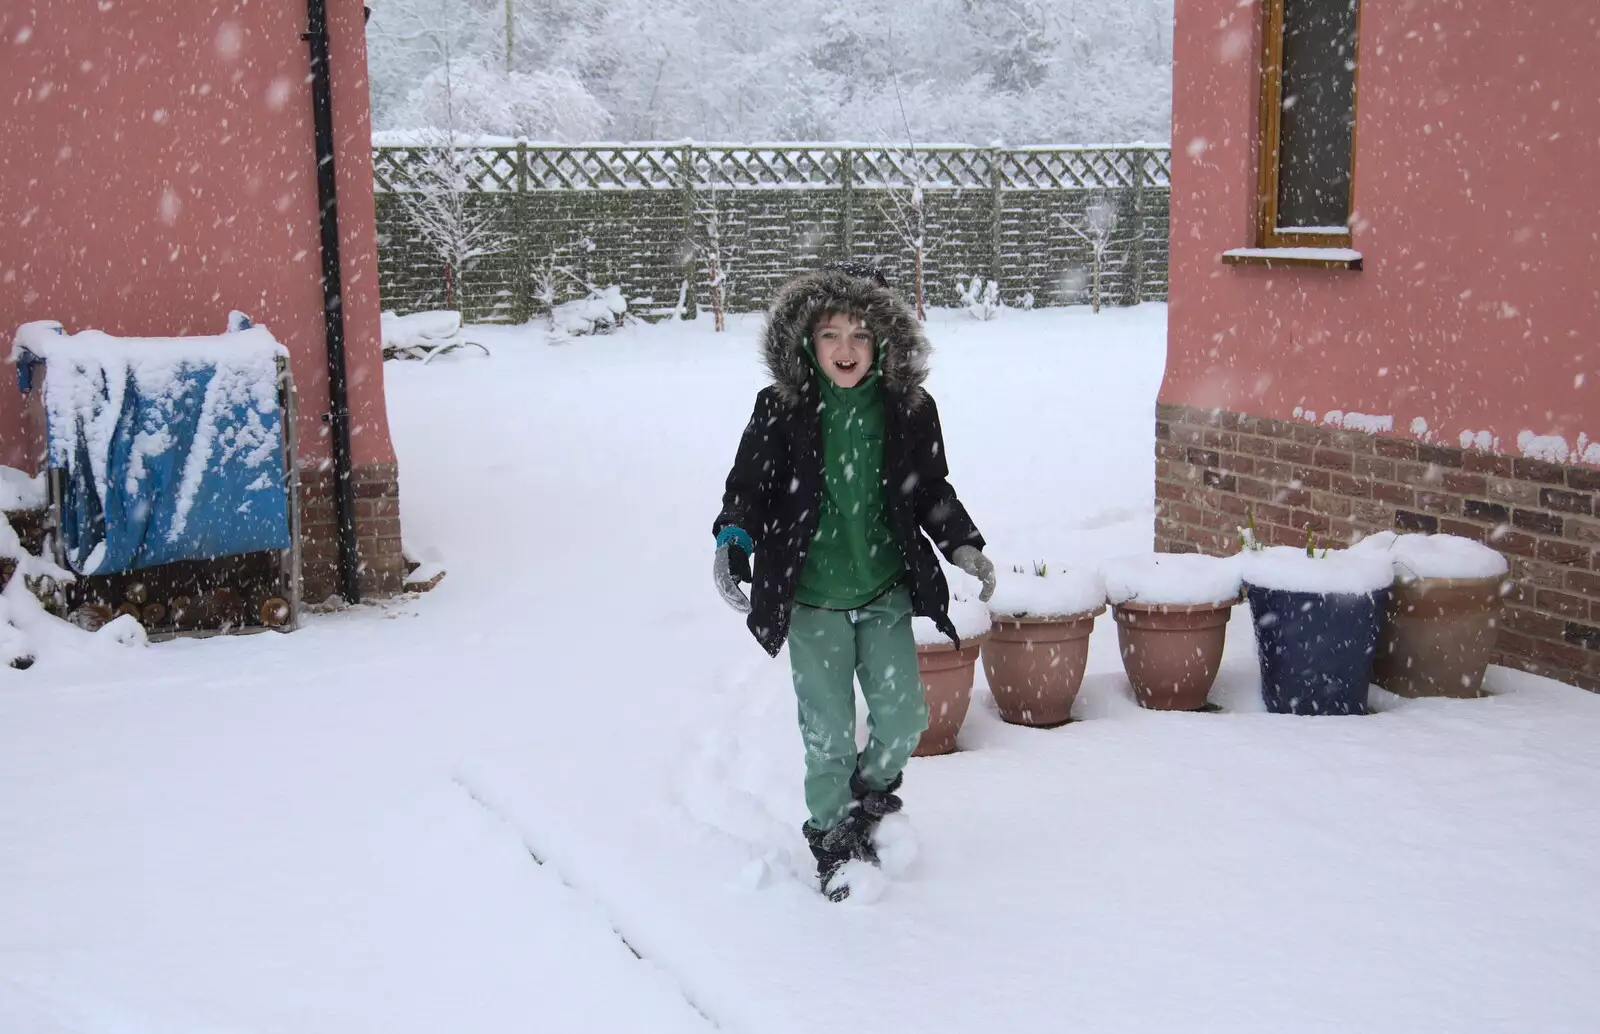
[502, 230]
[526, 166]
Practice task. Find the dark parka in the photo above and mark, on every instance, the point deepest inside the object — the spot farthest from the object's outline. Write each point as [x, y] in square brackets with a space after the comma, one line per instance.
[774, 491]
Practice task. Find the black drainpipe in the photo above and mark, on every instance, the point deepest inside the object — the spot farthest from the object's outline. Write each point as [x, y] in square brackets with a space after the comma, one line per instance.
[338, 416]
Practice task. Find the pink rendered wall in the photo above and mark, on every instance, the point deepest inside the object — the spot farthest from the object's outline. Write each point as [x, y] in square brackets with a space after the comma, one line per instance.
[1477, 155]
[157, 170]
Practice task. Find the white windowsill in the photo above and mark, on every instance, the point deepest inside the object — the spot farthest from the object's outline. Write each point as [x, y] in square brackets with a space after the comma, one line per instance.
[1320, 258]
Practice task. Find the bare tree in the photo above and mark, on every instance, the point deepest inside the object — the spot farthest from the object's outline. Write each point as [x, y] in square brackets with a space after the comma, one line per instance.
[715, 247]
[1098, 231]
[909, 220]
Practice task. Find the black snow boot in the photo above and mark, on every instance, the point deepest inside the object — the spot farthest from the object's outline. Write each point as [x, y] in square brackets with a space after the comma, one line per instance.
[850, 839]
[876, 803]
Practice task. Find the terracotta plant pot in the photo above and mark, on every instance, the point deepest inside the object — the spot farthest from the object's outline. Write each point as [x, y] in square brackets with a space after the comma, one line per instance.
[947, 682]
[1035, 666]
[1439, 636]
[1171, 652]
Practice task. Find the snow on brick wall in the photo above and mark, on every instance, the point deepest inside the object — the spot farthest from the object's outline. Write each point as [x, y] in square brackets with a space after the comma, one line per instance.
[1215, 468]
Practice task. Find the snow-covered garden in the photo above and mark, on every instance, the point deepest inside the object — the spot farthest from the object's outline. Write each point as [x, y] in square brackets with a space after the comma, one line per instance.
[562, 790]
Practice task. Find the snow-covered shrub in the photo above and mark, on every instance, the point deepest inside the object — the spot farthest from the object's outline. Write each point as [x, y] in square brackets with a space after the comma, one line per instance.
[548, 278]
[980, 297]
[600, 312]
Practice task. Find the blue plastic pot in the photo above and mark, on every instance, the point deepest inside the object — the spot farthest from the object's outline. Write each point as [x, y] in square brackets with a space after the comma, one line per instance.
[1316, 650]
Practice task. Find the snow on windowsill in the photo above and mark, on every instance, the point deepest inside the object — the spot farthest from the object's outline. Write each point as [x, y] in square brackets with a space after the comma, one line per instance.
[1326, 258]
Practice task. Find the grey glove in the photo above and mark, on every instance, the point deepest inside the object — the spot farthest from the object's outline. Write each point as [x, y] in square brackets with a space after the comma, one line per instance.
[971, 560]
[726, 571]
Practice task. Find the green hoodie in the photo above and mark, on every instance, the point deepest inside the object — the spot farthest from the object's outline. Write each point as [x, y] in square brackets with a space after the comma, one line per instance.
[853, 557]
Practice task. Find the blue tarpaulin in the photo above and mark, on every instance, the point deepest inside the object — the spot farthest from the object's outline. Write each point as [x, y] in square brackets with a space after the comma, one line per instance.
[171, 448]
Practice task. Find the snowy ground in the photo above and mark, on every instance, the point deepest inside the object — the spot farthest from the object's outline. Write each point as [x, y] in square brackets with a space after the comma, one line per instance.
[461, 812]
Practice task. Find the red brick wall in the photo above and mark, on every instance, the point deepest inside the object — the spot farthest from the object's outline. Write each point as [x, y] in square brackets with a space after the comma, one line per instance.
[382, 568]
[1214, 467]
[157, 169]
[1476, 305]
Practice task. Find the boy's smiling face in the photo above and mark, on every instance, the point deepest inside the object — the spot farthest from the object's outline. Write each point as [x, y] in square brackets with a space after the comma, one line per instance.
[844, 348]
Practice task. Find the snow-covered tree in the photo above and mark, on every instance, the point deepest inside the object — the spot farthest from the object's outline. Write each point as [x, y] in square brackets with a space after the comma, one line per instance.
[1040, 71]
[445, 215]
[1096, 226]
[479, 98]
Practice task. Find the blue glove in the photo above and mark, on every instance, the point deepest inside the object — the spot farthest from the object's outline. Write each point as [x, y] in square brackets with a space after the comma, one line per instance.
[732, 566]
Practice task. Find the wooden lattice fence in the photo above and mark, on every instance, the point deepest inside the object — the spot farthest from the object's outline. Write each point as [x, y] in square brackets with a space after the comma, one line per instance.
[632, 215]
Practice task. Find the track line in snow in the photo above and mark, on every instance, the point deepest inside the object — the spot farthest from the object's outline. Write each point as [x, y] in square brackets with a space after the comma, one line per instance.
[481, 800]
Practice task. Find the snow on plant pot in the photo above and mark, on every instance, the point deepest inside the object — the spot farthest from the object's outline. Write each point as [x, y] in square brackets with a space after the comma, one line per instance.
[947, 673]
[1172, 613]
[1444, 613]
[1317, 619]
[1036, 652]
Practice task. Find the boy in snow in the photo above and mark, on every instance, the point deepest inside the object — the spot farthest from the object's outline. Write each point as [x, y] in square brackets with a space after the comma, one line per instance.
[839, 473]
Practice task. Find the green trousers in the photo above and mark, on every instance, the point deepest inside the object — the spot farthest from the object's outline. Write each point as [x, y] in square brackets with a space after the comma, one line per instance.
[828, 651]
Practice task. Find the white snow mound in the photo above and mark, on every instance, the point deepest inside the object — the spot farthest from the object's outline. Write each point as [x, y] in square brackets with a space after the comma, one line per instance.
[19, 491]
[601, 310]
[1287, 568]
[1434, 556]
[420, 329]
[865, 880]
[1072, 590]
[1173, 578]
[895, 840]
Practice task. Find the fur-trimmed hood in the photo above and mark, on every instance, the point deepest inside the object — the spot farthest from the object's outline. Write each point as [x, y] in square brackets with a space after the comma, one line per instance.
[800, 302]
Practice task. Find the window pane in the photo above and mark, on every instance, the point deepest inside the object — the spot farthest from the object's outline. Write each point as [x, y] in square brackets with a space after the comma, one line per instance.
[1318, 121]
